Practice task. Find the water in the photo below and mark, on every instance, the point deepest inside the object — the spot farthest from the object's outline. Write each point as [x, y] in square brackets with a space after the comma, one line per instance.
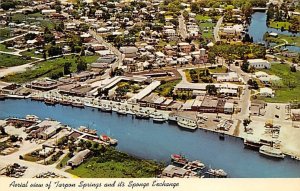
[258, 28]
[148, 140]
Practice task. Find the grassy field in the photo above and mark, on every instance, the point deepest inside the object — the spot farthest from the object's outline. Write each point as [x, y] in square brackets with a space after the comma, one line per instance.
[207, 26]
[167, 88]
[32, 54]
[290, 89]
[202, 17]
[114, 164]
[221, 69]
[32, 18]
[278, 25]
[291, 40]
[4, 49]
[5, 33]
[11, 60]
[63, 162]
[47, 68]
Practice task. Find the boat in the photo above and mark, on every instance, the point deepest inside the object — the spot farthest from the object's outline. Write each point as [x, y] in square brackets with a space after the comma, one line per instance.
[2, 97]
[188, 125]
[159, 118]
[106, 108]
[121, 111]
[108, 139]
[32, 118]
[49, 101]
[295, 158]
[255, 144]
[65, 102]
[87, 130]
[78, 104]
[142, 115]
[179, 159]
[195, 165]
[219, 173]
[271, 152]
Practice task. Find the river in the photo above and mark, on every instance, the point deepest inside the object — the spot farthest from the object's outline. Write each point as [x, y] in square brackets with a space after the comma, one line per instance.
[258, 28]
[145, 139]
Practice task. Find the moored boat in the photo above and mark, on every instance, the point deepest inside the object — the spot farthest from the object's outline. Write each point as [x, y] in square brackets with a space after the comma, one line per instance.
[188, 125]
[108, 139]
[159, 118]
[142, 115]
[49, 101]
[179, 159]
[271, 152]
[218, 173]
[78, 104]
[121, 111]
[106, 108]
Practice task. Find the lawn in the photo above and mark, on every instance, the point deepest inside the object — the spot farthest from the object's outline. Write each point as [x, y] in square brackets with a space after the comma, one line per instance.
[5, 33]
[115, 164]
[4, 49]
[167, 88]
[63, 162]
[33, 157]
[48, 68]
[279, 40]
[32, 54]
[290, 89]
[218, 69]
[209, 27]
[278, 25]
[202, 17]
[11, 60]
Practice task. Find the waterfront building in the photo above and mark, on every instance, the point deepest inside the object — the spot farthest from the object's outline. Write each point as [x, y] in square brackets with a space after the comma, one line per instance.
[78, 158]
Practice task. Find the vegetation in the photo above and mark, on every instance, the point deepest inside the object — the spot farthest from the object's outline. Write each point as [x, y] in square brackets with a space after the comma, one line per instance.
[11, 60]
[114, 164]
[49, 68]
[166, 88]
[54, 158]
[5, 33]
[289, 89]
[33, 156]
[63, 162]
[294, 40]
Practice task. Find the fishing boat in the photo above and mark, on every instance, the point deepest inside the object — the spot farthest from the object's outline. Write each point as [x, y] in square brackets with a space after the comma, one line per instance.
[106, 108]
[195, 165]
[219, 173]
[65, 102]
[87, 130]
[179, 159]
[121, 111]
[77, 104]
[32, 118]
[159, 118]
[142, 115]
[186, 124]
[49, 101]
[271, 152]
[108, 139]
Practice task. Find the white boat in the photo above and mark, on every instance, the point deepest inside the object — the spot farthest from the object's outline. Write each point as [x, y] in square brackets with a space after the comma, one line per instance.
[142, 115]
[271, 151]
[130, 112]
[106, 108]
[186, 124]
[159, 118]
[217, 173]
[121, 111]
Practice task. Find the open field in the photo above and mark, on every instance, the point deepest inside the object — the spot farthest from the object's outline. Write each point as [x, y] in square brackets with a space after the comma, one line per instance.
[167, 88]
[290, 89]
[4, 49]
[114, 164]
[48, 68]
[279, 25]
[11, 60]
[279, 40]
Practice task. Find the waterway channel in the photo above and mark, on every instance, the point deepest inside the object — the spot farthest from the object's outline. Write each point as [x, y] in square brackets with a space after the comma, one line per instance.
[258, 28]
[145, 139]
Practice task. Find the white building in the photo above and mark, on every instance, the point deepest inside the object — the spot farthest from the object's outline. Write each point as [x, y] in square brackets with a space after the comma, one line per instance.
[266, 92]
[259, 63]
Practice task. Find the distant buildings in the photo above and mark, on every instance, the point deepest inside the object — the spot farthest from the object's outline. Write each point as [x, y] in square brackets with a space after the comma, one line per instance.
[259, 63]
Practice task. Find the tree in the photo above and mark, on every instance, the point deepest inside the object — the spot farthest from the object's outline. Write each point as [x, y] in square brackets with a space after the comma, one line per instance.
[8, 5]
[211, 89]
[245, 66]
[67, 67]
[2, 130]
[13, 138]
[293, 68]
[81, 64]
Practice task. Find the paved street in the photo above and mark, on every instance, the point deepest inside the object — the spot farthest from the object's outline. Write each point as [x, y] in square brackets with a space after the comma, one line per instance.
[182, 27]
[216, 29]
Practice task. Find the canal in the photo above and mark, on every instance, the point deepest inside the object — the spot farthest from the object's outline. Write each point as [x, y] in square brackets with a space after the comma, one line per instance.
[145, 139]
[258, 28]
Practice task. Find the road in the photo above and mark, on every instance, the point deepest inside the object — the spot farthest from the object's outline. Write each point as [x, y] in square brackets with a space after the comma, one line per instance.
[119, 60]
[283, 44]
[217, 28]
[182, 27]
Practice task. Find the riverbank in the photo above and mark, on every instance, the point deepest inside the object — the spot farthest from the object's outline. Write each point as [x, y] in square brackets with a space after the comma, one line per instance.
[114, 164]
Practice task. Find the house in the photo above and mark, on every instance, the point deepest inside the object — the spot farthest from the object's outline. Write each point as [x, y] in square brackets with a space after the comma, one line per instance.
[266, 92]
[47, 151]
[49, 127]
[174, 171]
[44, 85]
[129, 51]
[228, 108]
[185, 47]
[48, 11]
[259, 63]
[78, 158]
